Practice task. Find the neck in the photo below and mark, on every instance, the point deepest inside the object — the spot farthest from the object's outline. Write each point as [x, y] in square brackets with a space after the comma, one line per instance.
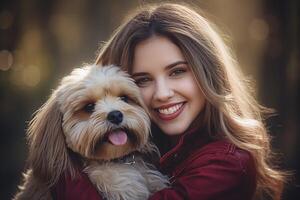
[174, 140]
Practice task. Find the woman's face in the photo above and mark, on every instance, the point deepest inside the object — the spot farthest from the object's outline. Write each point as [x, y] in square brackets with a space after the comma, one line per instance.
[167, 85]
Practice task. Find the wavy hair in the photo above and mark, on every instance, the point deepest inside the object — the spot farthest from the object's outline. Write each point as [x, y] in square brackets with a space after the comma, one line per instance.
[231, 108]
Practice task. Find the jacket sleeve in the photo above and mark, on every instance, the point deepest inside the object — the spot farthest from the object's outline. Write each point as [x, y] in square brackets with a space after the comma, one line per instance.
[213, 177]
[80, 189]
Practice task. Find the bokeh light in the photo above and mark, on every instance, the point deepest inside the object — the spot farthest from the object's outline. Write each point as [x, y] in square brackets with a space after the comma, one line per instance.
[258, 29]
[6, 60]
[31, 76]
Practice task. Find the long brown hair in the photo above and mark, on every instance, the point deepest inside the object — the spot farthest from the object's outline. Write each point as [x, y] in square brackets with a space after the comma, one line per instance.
[231, 108]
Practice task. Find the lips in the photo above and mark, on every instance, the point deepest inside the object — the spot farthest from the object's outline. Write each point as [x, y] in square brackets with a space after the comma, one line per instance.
[170, 111]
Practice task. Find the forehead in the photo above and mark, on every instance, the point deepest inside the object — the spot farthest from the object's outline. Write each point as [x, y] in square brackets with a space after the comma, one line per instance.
[155, 53]
[93, 84]
[109, 82]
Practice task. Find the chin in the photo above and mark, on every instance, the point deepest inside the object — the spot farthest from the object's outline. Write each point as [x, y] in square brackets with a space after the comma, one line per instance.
[96, 122]
[174, 128]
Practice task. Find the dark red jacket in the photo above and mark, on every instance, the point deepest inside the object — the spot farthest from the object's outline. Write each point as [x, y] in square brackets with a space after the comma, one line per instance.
[199, 169]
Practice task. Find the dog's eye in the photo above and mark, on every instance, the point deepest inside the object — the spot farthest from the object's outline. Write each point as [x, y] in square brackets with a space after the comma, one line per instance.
[124, 98]
[89, 108]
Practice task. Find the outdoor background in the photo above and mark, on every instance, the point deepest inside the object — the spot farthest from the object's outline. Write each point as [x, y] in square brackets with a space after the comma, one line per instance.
[42, 40]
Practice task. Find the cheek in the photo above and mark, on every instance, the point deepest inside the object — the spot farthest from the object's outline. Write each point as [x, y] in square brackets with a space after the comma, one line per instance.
[186, 86]
[190, 90]
[147, 94]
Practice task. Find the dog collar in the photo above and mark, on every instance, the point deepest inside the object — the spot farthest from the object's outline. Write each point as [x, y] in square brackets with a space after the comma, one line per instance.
[127, 160]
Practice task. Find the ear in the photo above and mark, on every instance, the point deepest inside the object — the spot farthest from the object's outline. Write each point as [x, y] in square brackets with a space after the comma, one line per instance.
[48, 154]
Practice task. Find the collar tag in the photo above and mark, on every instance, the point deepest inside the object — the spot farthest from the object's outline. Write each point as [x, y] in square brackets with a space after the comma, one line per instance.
[130, 160]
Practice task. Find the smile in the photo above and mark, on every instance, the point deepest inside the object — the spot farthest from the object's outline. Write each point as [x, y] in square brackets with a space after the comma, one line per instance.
[170, 112]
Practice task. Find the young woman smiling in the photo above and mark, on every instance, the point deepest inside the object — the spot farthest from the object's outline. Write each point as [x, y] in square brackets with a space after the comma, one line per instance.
[207, 124]
[167, 84]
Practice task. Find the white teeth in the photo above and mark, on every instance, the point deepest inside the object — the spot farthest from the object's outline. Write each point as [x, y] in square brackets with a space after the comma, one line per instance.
[170, 110]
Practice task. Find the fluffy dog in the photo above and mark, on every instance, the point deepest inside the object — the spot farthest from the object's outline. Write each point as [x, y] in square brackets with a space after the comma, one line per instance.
[98, 115]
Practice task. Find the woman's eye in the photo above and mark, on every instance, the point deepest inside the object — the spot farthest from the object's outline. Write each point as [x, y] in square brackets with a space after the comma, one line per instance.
[141, 82]
[89, 108]
[177, 71]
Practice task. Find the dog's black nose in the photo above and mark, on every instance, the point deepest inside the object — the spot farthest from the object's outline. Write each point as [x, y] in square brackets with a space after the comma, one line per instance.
[115, 117]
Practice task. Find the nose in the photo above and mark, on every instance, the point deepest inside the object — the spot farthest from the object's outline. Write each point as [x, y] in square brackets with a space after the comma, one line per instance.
[115, 117]
[163, 91]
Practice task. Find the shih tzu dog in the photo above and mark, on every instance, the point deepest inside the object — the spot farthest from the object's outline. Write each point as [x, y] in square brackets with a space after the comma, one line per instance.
[98, 115]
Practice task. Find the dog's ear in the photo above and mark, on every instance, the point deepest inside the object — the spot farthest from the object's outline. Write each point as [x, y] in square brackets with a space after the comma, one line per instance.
[48, 154]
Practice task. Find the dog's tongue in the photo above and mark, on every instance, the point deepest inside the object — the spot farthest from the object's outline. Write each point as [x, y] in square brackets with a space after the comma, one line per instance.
[118, 137]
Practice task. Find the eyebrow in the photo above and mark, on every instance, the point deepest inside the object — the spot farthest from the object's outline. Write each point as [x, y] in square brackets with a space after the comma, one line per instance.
[168, 67]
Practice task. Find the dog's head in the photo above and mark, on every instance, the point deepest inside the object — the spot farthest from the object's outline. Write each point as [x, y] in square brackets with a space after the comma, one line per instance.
[103, 114]
[97, 112]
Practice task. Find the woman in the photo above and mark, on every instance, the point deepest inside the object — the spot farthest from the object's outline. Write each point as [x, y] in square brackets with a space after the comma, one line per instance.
[208, 126]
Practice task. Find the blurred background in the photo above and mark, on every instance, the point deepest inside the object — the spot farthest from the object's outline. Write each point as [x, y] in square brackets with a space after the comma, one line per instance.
[41, 41]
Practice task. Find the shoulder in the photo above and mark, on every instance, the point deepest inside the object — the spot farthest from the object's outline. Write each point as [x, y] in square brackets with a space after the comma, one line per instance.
[223, 149]
[223, 169]
[224, 155]
[222, 162]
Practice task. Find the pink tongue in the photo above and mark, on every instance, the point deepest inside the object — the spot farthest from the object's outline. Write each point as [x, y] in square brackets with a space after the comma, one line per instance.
[117, 137]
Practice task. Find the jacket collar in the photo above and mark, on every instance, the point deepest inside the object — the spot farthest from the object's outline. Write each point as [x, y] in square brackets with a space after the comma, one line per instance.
[188, 141]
